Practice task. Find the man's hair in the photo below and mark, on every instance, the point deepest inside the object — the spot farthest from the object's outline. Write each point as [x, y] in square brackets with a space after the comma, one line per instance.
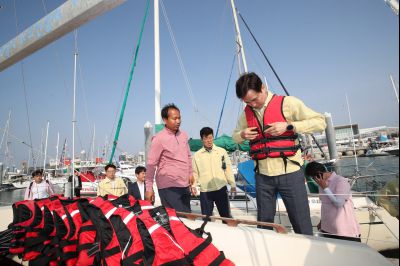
[164, 111]
[206, 131]
[110, 165]
[37, 172]
[246, 82]
[314, 168]
[140, 169]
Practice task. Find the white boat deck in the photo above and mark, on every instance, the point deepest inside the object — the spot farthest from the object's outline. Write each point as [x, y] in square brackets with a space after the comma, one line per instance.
[249, 246]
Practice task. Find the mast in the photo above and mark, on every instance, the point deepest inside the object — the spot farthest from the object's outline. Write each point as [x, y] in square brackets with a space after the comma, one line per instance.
[45, 149]
[58, 143]
[5, 133]
[7, 142]
[157, 72]
[394, 88]
[74, 117]
[92, 148]
[352, 135]
[239, 42]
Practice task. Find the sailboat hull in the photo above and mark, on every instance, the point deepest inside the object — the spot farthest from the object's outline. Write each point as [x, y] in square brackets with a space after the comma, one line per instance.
[249, 246]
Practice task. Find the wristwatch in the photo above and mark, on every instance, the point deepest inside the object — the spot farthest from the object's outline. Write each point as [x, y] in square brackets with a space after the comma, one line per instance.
[289, 127]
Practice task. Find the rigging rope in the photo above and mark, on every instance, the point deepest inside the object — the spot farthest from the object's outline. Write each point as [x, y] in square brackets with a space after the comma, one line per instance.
[276, 75]
[25, 97]
[178, 54]
[262, 51]
[226, 94]
[129, 83]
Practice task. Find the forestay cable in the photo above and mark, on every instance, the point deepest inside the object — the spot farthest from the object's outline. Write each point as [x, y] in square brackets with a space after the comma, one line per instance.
[226, 94]
[129, 83]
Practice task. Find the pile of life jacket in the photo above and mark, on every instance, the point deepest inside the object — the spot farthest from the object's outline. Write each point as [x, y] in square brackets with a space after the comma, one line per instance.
[104, 231]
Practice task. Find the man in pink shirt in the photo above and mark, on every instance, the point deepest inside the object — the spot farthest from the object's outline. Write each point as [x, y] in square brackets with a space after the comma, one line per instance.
[338, 219]
[169, 162]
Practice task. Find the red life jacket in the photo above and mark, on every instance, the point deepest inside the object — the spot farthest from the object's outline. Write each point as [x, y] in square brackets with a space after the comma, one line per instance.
[129, 239]
[87, 241]
[200, 251]
[33, 236]
[26, 214]
[62, 248]
[108, 247]
[160, 247]
[89, 236]
[43, 243]
[266, 145]
[74, 222]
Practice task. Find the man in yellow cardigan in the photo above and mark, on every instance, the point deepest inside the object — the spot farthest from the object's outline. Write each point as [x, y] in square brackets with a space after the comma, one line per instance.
[212, 171]
[111, 185]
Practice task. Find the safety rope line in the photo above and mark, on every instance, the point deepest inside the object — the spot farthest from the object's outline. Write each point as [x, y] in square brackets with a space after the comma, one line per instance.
[129, 83]
[226, 95]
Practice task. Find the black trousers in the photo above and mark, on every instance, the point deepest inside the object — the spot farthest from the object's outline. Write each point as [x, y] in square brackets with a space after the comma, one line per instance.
[77, 192]
[177, 198]
[292, 189]
[220, 198]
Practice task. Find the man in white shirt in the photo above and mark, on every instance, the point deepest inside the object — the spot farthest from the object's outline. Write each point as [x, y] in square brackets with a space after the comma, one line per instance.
[137, 189]
[38, 188]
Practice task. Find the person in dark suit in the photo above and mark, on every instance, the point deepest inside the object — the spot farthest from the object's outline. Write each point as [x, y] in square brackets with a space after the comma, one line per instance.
[138, 188]
[77, 182]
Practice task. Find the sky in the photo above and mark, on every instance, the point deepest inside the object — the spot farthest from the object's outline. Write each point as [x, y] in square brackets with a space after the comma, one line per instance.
[320, 49]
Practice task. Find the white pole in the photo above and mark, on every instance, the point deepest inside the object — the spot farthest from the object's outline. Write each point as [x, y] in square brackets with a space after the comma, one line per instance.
[29, 162]
[394, 88]
[41, 152]
[239, 38]
[74, 116]
[94, 136]
[6, 129]
[45, 150]
[58, 143]
[352, 134]
[6, 138]
[157, 75]
[266, 83]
